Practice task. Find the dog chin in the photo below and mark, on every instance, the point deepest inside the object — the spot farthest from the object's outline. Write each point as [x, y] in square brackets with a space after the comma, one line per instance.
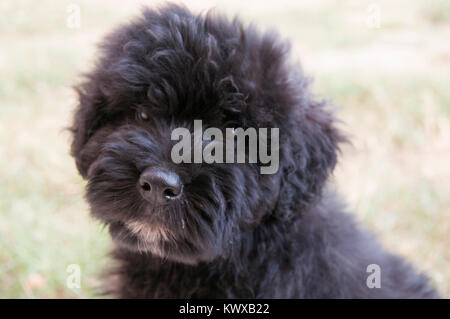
[139, 236]
[144, 238]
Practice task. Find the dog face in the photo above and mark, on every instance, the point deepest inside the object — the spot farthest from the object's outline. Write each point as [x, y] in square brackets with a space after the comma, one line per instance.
[164, 71]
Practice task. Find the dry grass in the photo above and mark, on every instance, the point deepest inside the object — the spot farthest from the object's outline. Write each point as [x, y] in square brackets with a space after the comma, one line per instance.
[390, 85]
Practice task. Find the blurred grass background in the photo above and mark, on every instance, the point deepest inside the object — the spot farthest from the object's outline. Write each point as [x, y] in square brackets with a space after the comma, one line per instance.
[391, 84]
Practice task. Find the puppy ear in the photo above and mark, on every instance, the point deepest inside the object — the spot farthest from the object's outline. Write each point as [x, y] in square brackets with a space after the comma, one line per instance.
[312, 156]
[319, 145]
[87, 118]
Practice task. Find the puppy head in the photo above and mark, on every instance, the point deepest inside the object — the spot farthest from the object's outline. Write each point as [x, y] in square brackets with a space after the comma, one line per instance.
[163, 71]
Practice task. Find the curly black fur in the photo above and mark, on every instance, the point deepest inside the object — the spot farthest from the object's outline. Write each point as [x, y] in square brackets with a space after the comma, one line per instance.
[234, 233]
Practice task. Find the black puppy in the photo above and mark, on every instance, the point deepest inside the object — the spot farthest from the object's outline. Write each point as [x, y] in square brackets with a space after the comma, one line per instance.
[219, 230]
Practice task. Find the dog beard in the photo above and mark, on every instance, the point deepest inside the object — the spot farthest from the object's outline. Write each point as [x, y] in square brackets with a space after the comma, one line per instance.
[181, 238]
[176, 233]
[141, 236]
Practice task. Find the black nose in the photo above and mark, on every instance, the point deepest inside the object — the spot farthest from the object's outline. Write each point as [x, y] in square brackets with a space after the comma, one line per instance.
[159, 186]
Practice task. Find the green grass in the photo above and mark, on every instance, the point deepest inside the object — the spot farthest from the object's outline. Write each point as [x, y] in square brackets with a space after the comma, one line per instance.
[390, 86]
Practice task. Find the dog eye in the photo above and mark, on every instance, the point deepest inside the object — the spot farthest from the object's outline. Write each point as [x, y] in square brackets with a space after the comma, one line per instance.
[143, 115]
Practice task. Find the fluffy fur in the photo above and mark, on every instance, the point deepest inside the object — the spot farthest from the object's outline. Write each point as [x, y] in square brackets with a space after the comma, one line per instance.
[234, 233]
